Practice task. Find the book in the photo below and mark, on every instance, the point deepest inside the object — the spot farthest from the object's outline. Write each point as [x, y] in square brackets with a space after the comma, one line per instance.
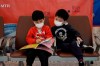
[44, 45]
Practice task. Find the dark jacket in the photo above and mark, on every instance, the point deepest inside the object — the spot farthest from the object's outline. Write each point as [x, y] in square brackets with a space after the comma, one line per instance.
[64, 34]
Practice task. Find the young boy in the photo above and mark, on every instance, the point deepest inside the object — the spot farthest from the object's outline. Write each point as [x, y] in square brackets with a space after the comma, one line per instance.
[36, 34]
[66, 36]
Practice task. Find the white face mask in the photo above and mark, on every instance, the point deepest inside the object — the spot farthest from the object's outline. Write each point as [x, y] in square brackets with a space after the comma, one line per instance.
[58, 23]
[40, 25]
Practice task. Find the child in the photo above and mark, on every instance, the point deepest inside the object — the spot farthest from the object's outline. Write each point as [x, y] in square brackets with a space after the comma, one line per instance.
[66, 36]
[36, 34]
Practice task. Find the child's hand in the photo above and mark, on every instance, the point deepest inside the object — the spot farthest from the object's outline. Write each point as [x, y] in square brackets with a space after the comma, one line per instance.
[38, 41]
[41, 38]
[79, 39]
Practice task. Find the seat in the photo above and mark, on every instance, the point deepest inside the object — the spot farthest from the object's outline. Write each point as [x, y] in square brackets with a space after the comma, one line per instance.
[3, 56]
[63, 54]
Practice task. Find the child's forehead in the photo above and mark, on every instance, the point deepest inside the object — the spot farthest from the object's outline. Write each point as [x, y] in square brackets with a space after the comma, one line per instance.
[39, 20]
[58, 18]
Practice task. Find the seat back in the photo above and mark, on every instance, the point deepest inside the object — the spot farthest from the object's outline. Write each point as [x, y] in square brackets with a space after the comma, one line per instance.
[1, 27]
[23, 26]
[82, 25]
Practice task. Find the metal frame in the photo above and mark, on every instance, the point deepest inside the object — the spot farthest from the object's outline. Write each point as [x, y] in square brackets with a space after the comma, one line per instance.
[88, 60]
[54, 57]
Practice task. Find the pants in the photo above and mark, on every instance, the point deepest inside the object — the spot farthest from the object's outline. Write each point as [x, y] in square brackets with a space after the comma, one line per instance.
[72, 48]
[41, 54]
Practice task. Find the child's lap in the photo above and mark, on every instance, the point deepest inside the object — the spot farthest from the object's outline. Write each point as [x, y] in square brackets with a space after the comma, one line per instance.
[36, 52]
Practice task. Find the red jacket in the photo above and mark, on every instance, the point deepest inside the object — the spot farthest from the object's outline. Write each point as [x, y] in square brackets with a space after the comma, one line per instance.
[33, 33]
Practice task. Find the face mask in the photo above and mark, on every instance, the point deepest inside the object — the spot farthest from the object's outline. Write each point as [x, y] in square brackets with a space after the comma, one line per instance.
[40, 25]
[58, 23]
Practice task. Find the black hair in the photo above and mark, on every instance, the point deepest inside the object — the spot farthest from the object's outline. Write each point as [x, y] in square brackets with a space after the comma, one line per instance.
[62, 14]
[37, 15]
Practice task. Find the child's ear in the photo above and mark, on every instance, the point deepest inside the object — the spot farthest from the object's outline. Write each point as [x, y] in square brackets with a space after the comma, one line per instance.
[44, 19]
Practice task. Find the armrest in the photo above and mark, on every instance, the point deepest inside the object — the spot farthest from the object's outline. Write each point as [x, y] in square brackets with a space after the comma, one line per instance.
[1, 41]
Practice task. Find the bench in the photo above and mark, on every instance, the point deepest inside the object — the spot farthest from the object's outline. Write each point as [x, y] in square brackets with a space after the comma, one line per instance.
[80, 23]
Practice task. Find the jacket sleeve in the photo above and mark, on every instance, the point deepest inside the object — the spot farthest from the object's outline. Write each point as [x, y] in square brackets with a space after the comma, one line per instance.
[48, 32]
[30, 37]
